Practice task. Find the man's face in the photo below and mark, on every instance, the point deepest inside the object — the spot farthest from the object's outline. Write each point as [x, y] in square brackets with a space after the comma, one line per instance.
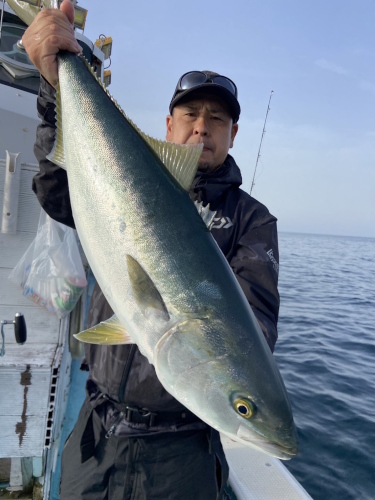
[203, 120]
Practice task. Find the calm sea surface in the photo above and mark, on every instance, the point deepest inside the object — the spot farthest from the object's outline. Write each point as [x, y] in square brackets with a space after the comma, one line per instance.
[326, 355]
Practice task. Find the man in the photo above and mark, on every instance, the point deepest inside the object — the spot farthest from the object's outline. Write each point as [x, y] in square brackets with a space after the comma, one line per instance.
[132, 438]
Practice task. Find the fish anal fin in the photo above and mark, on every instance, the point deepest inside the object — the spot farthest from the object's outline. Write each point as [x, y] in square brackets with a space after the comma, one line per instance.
[109, 332]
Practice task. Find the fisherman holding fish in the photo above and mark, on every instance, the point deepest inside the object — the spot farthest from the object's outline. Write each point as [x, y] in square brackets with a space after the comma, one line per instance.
[133, 439]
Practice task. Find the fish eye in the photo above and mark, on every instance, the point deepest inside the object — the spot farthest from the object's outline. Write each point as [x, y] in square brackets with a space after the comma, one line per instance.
[244, 407]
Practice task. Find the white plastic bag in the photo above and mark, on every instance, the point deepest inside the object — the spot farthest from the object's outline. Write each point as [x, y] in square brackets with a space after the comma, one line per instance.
[51, 272]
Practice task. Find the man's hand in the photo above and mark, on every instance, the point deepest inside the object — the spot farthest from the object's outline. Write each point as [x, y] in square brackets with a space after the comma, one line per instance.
[51, 31]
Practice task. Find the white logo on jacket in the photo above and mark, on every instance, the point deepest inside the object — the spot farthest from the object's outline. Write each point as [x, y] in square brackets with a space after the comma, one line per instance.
[273, 260]
[221, 223]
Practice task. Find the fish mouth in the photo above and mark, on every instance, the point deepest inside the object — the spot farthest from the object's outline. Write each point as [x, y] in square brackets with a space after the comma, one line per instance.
[283, 451]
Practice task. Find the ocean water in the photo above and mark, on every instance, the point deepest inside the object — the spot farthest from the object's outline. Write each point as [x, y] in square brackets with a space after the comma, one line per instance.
[326, 355]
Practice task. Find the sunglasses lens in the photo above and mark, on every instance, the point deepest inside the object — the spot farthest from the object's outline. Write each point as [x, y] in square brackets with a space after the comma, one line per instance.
[226, 83]
[192, 79]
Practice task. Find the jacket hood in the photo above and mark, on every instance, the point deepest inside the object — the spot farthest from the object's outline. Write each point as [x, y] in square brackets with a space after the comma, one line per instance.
[209, 187]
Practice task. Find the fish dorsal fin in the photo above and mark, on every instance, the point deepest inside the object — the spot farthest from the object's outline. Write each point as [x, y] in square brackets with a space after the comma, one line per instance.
[180, 159]
[145, 292]
[206, 213]
[109, 332]
[57, 155]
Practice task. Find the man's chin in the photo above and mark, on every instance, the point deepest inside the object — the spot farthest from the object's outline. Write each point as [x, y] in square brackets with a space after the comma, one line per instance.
[206, 167]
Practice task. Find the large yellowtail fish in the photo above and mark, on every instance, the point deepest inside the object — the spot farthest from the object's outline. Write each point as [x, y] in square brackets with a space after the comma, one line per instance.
[173, 292]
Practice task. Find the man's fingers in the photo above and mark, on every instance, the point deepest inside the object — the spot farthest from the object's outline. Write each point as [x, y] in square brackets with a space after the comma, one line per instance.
[52, 21]
[50, 32]
[46, 61]
[68, 9]
[57, 37]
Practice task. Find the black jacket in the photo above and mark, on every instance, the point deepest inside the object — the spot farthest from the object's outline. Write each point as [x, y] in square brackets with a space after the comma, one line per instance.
[243, 228]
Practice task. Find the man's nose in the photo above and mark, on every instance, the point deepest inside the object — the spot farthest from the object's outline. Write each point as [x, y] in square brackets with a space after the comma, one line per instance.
[200, 126]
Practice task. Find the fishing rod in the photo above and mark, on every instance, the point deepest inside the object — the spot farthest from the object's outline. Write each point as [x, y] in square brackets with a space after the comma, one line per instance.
[1, 18]
[261, 140]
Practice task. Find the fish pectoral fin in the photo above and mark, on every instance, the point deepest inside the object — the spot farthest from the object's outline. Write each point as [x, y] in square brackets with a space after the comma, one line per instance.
[180, 159]
[57, 155]
[109, 332]
[145, 292]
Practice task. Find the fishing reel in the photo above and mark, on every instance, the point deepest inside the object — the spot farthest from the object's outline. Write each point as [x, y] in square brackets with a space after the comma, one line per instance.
[20, 330]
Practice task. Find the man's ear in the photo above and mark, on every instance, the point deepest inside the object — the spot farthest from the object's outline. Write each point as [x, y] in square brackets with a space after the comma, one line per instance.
[233, 133]
[169, 127]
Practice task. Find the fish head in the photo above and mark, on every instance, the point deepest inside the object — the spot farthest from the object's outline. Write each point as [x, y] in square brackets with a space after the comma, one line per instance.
[255, 414]
[238, 391]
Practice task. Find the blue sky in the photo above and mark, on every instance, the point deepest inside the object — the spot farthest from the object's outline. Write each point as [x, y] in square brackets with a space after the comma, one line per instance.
[316, 172]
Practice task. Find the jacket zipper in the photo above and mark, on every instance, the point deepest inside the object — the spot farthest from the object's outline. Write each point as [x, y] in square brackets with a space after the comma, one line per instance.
[125, 373]
[114, 425]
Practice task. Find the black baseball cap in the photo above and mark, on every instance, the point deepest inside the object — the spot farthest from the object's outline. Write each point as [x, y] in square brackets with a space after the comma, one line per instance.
[214, 83]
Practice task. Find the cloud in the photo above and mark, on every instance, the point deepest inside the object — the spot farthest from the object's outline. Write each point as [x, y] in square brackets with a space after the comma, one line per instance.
[331, 66]
[335, 68]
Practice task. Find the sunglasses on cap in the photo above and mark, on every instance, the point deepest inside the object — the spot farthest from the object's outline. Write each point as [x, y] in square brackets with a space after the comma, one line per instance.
[194, 78]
